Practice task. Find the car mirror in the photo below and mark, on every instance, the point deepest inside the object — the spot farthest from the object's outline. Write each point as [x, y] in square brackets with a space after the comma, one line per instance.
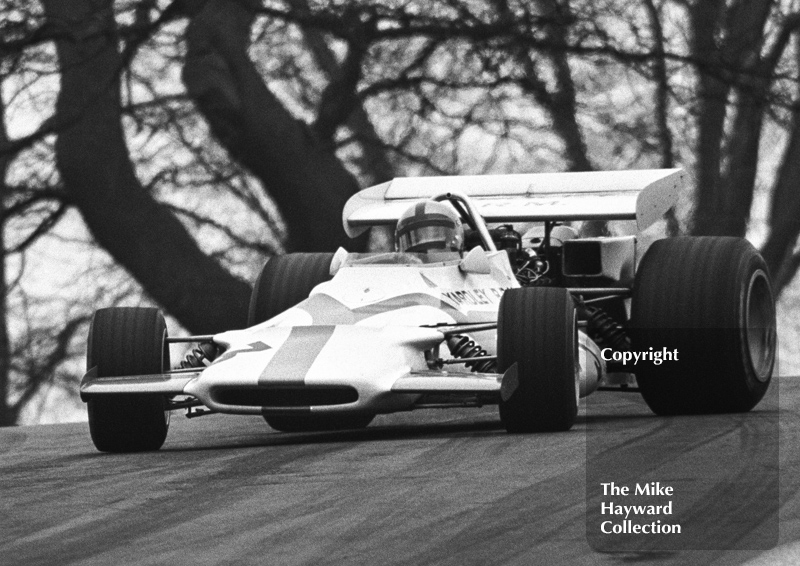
[476, 261]
[338, 260]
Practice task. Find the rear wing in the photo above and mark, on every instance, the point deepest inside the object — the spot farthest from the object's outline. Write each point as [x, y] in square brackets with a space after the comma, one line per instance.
[643, 196]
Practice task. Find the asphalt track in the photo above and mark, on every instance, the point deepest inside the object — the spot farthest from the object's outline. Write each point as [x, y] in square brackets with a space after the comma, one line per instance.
[431, 487]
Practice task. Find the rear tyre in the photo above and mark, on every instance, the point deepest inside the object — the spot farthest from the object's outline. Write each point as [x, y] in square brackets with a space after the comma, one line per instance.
[537, 338]
[318, 423]
[709, 298]
[128, 341]
[284, 281]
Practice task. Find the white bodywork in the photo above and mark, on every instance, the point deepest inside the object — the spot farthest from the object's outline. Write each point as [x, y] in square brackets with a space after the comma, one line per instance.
[367, 329]
[367, 323]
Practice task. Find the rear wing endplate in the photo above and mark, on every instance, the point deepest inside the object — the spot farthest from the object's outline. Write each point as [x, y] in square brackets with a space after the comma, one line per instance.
[643, 195]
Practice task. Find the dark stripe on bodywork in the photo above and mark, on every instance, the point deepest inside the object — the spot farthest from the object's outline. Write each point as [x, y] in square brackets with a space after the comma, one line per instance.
[324, 309]
[294, 358]
[254, 347]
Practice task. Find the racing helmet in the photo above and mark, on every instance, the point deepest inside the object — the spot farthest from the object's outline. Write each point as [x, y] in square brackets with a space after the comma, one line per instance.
[429, 225]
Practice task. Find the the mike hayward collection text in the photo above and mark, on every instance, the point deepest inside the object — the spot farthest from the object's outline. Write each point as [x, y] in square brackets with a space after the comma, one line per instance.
[637, 519]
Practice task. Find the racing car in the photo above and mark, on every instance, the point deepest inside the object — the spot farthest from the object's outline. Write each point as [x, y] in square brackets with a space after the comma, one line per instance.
[467, 311]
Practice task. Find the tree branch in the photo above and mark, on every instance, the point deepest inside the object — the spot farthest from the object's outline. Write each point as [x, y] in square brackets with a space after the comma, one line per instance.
[661, 97]
[339, 99]
[92, 157]
[304, 177]
[373, 161]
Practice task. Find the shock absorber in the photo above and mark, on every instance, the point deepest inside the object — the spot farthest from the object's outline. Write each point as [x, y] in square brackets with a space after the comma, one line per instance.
[200, 356]
[462, 346]
[606, 330]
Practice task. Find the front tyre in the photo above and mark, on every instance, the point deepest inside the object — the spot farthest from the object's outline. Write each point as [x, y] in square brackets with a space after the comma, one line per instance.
[128, 341]
[537, 339]
[710, 299]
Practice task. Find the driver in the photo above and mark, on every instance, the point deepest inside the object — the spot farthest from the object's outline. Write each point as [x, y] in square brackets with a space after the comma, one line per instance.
[429, 226]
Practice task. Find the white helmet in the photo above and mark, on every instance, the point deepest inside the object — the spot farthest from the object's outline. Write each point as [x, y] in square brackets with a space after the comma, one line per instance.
[429, 225]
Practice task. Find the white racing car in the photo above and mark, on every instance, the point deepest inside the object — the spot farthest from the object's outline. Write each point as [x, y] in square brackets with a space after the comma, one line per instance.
[462, 317]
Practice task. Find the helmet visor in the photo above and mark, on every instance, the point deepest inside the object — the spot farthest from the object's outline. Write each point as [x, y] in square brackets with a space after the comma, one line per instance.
[424, 238]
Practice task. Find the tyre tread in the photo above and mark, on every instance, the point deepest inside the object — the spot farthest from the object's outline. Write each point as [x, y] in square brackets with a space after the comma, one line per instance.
[536, 330]
[127, 341]
[687, 294]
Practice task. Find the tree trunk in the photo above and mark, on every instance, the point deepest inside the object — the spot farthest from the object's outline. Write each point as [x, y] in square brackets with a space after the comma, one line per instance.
[562, 105]
[726, 64]
[8, 416]
[739, 178]
[302, 174]
[784, 216]
[661, 95]
[92, 158]
[712, 105]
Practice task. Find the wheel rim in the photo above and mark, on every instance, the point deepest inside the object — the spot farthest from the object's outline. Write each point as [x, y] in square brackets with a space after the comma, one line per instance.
[576, 356]
[759, 326]
[165, 363]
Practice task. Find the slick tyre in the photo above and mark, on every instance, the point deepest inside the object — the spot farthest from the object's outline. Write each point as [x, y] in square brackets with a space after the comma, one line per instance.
[537, 340]
[127, 341]
[318, 423]
[710, 300]
[284, 281]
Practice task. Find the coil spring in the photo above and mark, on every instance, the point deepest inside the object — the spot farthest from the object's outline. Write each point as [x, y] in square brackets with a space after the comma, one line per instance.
[607, 330]
[462, 346]
[200, 356]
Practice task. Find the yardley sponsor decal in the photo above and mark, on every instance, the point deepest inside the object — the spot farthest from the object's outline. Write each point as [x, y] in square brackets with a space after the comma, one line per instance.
[475, 297]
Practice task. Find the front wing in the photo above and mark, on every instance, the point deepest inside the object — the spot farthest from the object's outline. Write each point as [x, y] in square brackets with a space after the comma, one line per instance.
[415, 382]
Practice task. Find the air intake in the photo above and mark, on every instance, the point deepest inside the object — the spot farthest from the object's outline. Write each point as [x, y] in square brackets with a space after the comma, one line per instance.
[293, 396]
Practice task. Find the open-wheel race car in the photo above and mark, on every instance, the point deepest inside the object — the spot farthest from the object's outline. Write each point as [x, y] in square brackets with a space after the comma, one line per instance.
[462, 316]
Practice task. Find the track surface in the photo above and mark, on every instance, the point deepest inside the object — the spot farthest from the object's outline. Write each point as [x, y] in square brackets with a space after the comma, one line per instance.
[435, 487]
